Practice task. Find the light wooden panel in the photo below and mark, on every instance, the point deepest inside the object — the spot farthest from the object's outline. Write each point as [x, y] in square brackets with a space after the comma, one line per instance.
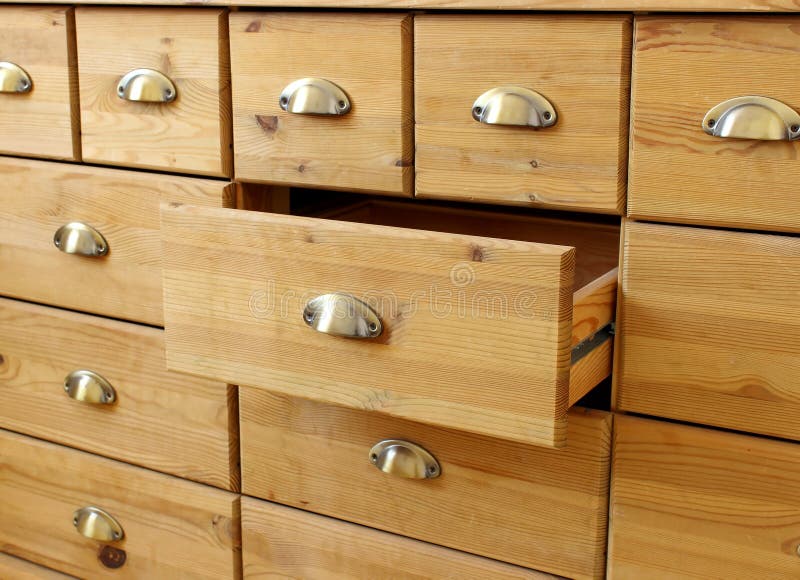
[536, 507]
[173, 528]
[368, 56]
[165, 421]
[709, 329]
[579, 63]
[36, 198]
[683, 66]
[45, 121]
[695, 503]
[17, 569]
[190, 46]
[288, 543]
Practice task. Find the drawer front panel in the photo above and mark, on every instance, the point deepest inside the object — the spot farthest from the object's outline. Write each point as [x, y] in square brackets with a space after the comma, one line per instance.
[685, 66]
[18, 569]
[237, 283]
[368, 56]
[690, 502]
[170, 527]
[161, 420]
[551, 504]
[190, 134]
[283, 542]
[37, 198]
[709, 329]
[579, 162]
[43, 121]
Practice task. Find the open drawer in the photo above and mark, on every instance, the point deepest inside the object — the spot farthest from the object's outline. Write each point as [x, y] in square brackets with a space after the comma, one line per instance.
[483, 321]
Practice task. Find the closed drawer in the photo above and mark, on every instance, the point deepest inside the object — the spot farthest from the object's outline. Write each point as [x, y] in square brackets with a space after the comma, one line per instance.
[301, 134]
[710, 328]
[578, 67]
[157, 419]
[477, 332]
[18, 569]
[683, 68]
[168, 527]
[124, 281]
[690, 502]
[173, 112]
[39, 98]
[549, 505]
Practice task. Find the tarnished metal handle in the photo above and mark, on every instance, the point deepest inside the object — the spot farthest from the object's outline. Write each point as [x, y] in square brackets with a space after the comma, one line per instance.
[89, 387]
[97, 524]
[404, 459]
[80, 238]
[341, 314]
[753, 117]
[314, 96]
[13, 79]
[515, 106]
[144, 85]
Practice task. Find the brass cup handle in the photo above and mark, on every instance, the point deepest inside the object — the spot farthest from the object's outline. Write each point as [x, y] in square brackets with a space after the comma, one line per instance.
[314, 96]
[81, 239]
[89, 387]
[515, 106]
[97, 524]
[404, 459]
[144, 85]
[13, 79]
[753, 117]
[340, 314]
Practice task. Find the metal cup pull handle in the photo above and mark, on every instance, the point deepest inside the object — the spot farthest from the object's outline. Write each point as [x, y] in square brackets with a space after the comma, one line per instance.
[340, 314]
[97, 524]
[144, 85]
[753, 117]
[404, 459]
[89, 387]
[13, 79]
[82, 239]
[314, 96]
[516, 106]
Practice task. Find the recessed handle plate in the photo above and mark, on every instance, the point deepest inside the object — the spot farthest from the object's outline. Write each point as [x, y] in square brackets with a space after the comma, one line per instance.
[97, 524]
[753, 117]
[516, 106]
[82, 239]
[144, 85]
[89, 387]
[341, 314]
[314, 96]
[404, 459]
[13, 79]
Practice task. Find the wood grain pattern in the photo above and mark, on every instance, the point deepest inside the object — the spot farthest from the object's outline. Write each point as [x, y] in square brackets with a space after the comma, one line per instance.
[191, 134]
[683, 66]
[36, 198]
[536, 507]
[696, 503]
[44, 122]
[283, 542]
[173, 528]
[579, 163]
[17, 569]
[709, 329]
[165, 421]
[368, 56]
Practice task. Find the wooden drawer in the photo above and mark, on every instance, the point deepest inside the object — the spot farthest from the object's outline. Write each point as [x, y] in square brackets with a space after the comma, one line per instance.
[536, 507]
[161, 420]
[171, 528]
[710, 328]
[683, 67]
[368, 56]
[190, 134]
[37, 198]
[695, 503]
[43, 119]
[18, 569]
[283, 542]
[477, 331]
[580, 65]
